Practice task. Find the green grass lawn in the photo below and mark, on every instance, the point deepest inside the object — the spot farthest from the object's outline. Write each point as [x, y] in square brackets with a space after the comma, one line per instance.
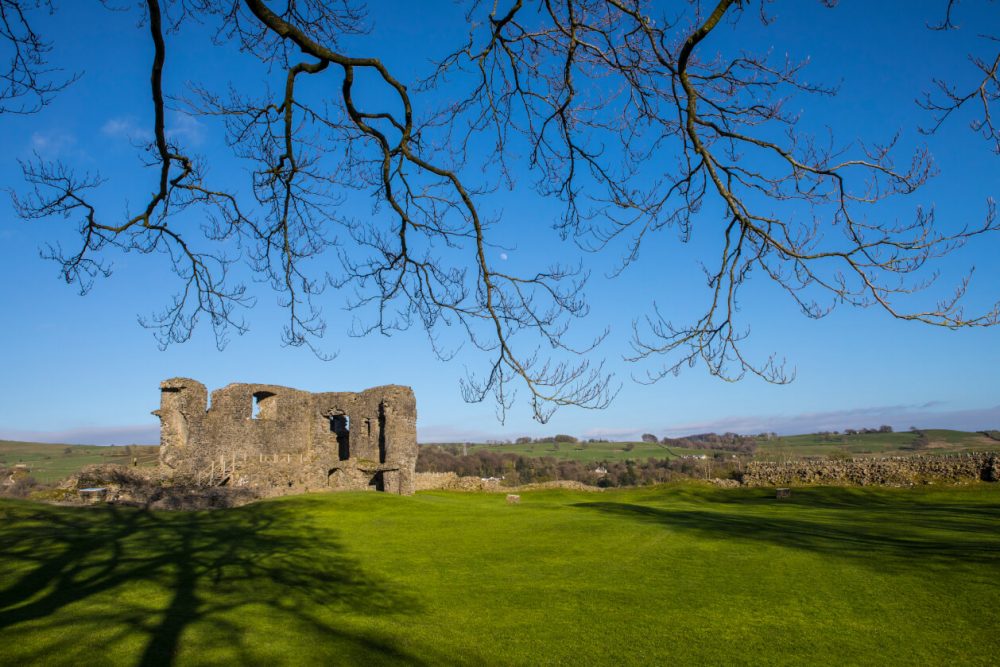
[667, 575]
[51, 463]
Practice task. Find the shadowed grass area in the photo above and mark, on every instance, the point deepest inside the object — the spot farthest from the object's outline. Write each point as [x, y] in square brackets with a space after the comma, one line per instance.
[132, 582]
[678, 574]
[891, 535]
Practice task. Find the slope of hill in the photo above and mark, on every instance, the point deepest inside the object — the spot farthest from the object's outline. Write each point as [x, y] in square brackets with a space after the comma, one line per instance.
[931, 441]
[52, 462]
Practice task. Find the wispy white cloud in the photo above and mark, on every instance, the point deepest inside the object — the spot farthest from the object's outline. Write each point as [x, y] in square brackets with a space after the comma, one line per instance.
[126, 127]
[180, 128]
[138, 434]
[185, 129]
[449, 433]
[51, 144]
[612, 433]
[924, 415]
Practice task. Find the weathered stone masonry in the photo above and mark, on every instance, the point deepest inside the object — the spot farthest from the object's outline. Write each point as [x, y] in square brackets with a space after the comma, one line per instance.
[891, 471]
[282, 440]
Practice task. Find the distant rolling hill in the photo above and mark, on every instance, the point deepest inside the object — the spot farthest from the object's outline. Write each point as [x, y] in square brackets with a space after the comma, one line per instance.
[930, 441]
[52, 462]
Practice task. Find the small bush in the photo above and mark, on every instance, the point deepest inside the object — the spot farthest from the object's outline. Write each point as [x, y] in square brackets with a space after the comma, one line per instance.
[54, 494]
[21, 487]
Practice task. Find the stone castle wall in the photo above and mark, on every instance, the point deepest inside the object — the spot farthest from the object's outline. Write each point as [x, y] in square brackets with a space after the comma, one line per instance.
[892, 471]
[279, 439]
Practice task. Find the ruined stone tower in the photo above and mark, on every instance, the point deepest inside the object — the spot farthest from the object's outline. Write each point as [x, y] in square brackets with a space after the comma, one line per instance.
[282, 440]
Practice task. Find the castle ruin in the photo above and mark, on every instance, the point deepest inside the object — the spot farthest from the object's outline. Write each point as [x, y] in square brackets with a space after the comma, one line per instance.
[279, 440]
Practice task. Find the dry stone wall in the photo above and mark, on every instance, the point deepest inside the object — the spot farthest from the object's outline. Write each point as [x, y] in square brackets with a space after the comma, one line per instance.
[893, 471]
[450, 481]
[281, 440]
[432, 481]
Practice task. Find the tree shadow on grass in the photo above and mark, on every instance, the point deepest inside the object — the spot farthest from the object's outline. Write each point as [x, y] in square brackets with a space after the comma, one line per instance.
[895, 533]
[73, 574]
[919, 507]
[853, 497]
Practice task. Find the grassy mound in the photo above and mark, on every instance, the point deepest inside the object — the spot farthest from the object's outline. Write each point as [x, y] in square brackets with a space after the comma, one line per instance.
[683, 574]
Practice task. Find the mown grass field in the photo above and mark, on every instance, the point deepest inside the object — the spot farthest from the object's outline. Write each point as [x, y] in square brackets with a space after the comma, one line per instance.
[667, 575]
[938, 441]
[50, 463]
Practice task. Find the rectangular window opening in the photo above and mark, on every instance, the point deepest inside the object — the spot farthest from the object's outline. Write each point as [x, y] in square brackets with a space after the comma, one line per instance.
[264, 406]
[340, 425]
[381, 433]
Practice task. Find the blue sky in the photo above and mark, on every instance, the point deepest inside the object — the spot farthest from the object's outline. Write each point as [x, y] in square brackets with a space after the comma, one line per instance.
[80, 369]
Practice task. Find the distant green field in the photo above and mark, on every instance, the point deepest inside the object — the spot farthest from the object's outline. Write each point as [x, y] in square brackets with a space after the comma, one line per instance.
[688, 575]
[50, 463]
[591, 451]
[938, 441]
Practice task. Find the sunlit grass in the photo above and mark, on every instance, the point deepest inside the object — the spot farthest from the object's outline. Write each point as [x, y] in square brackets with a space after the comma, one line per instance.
[668, 575]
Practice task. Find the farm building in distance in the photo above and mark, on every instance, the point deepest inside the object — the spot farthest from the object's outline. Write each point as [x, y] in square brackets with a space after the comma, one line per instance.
[282, 440]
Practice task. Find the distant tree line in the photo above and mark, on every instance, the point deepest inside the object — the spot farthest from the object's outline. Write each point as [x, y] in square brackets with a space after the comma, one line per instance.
[559, 437]
[865, 431]
[726, 442]
[515, 469]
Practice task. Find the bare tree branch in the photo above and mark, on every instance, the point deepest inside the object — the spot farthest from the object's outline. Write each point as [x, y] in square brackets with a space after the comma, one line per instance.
[628, 116]
[981, 97]
[687, 132]
[28, 83]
